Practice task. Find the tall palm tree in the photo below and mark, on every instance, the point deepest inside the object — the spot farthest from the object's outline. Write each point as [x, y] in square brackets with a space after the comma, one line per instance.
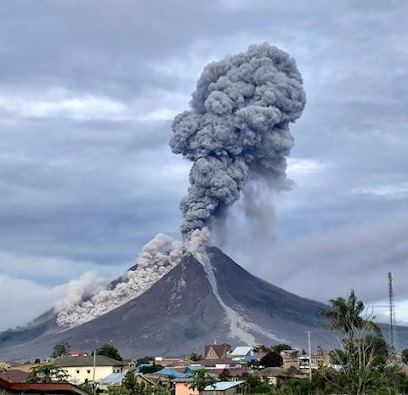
[345, 315]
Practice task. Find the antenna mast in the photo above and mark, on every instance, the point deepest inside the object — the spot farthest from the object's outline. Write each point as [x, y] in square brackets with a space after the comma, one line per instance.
[392, 312]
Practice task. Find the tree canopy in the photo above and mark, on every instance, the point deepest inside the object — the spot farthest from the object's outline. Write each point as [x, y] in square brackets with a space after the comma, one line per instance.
[47, 374]
[60, 350]
[109, 351]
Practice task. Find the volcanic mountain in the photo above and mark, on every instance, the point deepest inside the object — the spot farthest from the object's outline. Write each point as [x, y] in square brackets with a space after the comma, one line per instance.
[186, 308]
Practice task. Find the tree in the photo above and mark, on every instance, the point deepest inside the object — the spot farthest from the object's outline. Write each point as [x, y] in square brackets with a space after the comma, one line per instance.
[271, 359]
[281, 347]
[225, 375]
[195, 357]
[117, 390]
[60, 350]
[144, 360]
[109, 351]
[88, 387]
[150, 369]
[201, 379]
[364, 350]
[47, 374]
[404, 355]
[131, 384]
[346, 315]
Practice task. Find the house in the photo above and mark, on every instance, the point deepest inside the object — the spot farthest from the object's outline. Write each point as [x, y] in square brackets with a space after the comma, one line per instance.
[116, 379]
[290, 358]
[215, 351]
[172, 361]
[318, 360]
[88, 368]
[182, 386]
[225, 388]
[60, 388]
[219, 363]
[242, 353]
[272, 375]
[77, 353]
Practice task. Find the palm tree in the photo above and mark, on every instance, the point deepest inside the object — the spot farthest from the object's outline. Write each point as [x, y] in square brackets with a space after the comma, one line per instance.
[346, 315]
[200, 380]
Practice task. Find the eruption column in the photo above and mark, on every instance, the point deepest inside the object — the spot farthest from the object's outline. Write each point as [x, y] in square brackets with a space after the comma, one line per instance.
[237, 129]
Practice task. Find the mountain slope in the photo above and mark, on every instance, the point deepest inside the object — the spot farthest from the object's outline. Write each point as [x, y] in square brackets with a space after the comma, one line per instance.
[183, 311]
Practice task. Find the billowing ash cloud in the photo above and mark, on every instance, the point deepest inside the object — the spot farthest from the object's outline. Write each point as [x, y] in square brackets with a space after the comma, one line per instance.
[157, 258]
[237, 129]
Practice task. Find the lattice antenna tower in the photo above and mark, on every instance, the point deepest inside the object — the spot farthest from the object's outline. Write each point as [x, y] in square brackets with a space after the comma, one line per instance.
[392, 313]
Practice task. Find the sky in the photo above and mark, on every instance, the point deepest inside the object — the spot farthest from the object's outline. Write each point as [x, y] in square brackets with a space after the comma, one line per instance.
[88, 91]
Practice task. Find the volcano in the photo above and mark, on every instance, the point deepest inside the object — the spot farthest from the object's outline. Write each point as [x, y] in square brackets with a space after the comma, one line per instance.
[181, 312]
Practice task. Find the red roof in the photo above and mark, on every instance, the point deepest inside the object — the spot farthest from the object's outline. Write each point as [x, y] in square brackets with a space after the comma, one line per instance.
[14, 376]
[233, 372]
[219, 349]
[63, 387]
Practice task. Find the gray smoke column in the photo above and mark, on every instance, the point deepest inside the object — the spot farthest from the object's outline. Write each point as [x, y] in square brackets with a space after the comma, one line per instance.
[237, 129]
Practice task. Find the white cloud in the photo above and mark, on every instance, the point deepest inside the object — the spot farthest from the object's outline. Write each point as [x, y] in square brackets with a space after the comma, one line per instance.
[57, 102]
[24, 300]
[396, 191]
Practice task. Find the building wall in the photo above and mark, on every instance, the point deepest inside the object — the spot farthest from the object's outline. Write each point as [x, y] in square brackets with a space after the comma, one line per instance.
[183, 389]
[78, 375]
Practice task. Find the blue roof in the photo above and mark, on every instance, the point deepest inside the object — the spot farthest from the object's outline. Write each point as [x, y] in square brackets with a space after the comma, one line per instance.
[169, 372]
[222, 385]
[113, 378]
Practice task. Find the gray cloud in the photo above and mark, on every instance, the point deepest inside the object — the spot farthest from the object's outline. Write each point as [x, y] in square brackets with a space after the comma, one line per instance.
[87, 92]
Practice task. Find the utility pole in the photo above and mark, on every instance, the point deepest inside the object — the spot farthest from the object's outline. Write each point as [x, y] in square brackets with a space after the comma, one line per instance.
[310, 355]
[94, 367]
[392, 313]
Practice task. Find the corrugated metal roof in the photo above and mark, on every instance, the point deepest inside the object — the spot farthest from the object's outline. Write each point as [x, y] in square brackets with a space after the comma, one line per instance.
[113, 378]
[241, 350]
[222, 385]
[169, 372]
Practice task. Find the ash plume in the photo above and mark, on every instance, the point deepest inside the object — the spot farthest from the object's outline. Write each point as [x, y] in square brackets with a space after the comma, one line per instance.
[237, 130]
[157, 258]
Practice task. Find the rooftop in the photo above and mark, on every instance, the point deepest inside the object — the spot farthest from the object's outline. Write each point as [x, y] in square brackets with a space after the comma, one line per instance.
[100, 360]
[223, 385]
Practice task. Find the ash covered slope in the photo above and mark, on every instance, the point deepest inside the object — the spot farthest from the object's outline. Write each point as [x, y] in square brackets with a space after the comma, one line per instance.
[181, 312]
[178, 313]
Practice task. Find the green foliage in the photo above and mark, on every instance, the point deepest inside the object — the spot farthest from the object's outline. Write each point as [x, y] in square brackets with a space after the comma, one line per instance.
[201, 379]
[346, 315]
[88, 387]
[195, 357]
[37, 360]
[252, 381]
[404, 355]
[109, 351]
[262, 389]
[281, 347]
[132, 385]
[296, 386]
[150, 369]
[60, 350]
[271, 359]
[365, 351]
[47, 374]
[225, 375]
[117, 390]
[144, 360]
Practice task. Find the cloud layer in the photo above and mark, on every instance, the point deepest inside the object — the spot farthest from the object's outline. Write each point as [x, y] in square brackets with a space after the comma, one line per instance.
[87, 94]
